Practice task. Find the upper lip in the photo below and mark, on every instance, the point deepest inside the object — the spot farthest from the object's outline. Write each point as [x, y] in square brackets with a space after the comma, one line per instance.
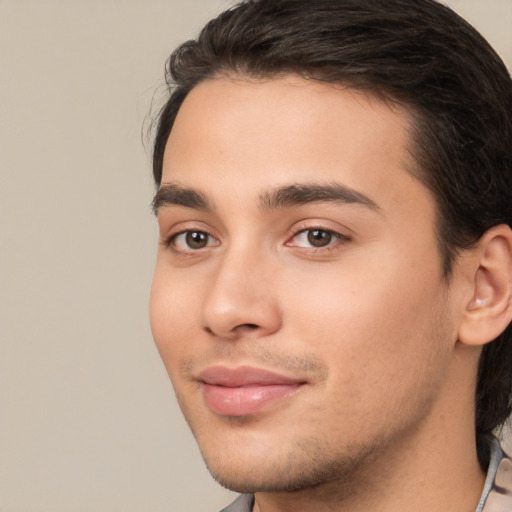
[244, 376]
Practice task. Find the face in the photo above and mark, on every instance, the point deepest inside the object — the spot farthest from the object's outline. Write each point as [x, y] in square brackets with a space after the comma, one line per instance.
[297, 301]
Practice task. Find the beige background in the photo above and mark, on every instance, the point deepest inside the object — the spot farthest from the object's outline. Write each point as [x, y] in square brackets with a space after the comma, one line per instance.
[88, 419]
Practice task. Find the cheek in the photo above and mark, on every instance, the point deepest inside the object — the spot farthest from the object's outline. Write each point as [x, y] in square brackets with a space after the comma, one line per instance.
[171, 316]
[378, 321]
[382, 353]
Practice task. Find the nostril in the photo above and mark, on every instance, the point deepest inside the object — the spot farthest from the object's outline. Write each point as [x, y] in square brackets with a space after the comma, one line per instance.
[242, 330]
[238, 329]
[247, 329]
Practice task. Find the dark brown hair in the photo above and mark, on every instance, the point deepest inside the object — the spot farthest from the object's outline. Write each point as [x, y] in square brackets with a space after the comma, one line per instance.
[418, 53]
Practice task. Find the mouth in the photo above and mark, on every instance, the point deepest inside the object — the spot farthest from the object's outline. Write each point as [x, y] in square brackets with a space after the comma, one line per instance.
[244, 390]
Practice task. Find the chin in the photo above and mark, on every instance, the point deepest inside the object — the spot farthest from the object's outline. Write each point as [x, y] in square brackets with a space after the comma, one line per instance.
[306, 465]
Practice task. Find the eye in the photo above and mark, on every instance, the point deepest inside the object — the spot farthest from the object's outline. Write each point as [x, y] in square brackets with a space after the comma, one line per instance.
[316, 238]
[192, 240]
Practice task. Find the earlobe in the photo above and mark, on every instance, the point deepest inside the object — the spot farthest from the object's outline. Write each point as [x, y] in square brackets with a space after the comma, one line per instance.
[489, 311]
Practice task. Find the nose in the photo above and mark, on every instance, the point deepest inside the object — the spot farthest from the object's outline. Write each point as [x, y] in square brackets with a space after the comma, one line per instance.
[241, 301]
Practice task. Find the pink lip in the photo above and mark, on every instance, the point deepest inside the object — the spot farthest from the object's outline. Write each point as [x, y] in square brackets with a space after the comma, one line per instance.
[244, 390]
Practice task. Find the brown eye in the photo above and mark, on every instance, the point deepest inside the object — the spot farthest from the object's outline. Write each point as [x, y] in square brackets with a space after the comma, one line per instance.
[196, 239]
[191, 240]
[319, 238]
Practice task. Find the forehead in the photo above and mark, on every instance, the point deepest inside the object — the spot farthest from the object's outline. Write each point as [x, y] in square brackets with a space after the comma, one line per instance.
[266, 133]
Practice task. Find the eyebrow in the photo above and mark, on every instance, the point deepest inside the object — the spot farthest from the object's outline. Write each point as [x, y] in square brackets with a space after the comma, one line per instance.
[299, 194]
[280, 197]
[175, 194]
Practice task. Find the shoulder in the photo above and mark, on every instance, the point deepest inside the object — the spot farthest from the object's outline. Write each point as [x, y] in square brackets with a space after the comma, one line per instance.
[243, 503]
[497, 494]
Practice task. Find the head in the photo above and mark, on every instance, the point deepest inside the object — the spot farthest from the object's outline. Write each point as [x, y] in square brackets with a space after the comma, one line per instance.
[435, 76]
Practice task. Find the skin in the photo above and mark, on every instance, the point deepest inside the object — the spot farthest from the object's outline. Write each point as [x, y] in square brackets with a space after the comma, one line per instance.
[382, 419]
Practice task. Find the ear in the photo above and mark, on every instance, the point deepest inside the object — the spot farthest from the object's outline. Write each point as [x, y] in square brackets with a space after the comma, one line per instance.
[489, 311]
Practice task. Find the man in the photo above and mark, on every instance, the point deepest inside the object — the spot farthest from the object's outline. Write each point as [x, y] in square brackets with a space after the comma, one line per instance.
[333, 288]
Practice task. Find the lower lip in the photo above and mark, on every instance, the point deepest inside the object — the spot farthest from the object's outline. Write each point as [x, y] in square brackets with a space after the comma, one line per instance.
[245, 400]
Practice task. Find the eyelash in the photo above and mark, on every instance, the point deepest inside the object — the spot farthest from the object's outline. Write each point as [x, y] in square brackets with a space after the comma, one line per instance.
[335, 240]
[170, 241]
[333, 243]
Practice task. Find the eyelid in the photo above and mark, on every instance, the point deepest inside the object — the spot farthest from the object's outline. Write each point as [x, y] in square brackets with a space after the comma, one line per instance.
[339, 238]
[169, 233]
[170, 241]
